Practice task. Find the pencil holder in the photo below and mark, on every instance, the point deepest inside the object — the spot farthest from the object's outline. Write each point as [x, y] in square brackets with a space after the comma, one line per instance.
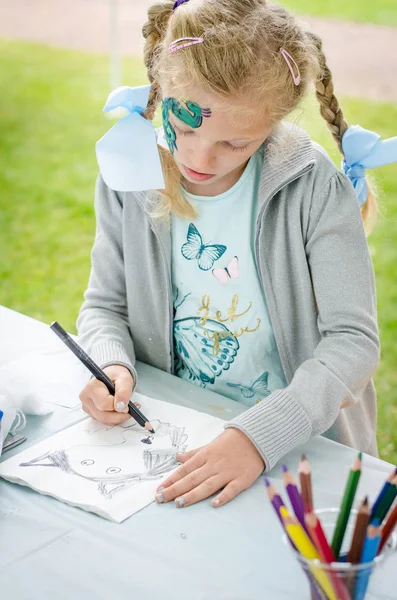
[343, 580]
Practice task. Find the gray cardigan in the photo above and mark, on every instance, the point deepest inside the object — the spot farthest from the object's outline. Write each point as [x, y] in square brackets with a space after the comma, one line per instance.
[318, 281]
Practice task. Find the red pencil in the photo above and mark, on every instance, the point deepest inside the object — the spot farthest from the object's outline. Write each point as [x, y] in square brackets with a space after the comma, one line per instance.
[326, 553]
[387, 528]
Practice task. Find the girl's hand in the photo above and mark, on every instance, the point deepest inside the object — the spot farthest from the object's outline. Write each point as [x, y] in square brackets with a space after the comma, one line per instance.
[102, 406]
[231, 462]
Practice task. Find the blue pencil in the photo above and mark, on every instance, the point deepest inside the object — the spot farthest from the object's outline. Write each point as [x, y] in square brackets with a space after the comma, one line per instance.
[370, 550]
[384, 489]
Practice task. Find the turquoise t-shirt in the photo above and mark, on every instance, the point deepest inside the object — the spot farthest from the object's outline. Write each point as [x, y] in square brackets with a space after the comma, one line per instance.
[223, 337]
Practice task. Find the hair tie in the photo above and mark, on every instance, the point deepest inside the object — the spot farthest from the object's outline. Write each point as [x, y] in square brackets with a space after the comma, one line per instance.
[363, 149]
[179, 3]
[127, 155]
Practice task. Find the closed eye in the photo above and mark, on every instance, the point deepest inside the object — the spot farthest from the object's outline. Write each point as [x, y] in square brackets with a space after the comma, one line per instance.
[236, 148]
[182, 132]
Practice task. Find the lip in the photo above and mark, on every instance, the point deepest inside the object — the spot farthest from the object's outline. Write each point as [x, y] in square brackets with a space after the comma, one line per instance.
[196, 176]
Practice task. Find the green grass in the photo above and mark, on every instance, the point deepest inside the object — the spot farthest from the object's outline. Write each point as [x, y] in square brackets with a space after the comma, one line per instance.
[50, 117]
[380, 12]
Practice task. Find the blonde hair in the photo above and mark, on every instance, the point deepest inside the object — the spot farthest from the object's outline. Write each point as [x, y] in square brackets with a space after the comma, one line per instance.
[240, 57]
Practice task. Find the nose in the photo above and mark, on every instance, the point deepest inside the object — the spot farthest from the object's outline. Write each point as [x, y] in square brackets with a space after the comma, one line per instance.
[204, 159]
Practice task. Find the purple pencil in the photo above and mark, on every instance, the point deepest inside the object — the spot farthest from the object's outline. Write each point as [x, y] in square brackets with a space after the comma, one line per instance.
[274, 498]
[277, 503]
[294, 496]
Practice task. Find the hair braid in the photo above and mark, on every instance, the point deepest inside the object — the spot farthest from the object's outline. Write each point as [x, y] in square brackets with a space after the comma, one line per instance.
[154, 32]
[329, 105]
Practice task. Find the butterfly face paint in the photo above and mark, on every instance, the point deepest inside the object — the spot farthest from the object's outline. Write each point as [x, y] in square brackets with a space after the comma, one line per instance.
[188, 112]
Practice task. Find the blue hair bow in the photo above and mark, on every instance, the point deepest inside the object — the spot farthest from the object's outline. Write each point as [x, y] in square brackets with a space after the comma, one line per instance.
[127, 154]
[362, 150]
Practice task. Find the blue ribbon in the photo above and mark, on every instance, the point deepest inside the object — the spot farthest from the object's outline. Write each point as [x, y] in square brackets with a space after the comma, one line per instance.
[127, 154]
[363, 150]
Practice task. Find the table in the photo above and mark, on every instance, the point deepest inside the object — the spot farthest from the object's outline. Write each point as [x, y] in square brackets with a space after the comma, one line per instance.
[51, 550]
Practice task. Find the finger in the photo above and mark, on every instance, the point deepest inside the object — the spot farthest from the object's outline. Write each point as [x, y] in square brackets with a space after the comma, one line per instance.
[206, 489]
[184, 485]
[185, 456]
[123, 384]
[194, 463]
[106, 417]
[120, 406]
[99, 394]
[233, 489]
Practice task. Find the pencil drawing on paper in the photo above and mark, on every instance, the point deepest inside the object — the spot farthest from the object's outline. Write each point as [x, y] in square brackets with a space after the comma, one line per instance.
[114, 458]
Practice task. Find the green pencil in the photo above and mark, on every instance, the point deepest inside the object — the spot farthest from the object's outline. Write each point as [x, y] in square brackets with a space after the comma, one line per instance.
[346, 505]
[386, 501]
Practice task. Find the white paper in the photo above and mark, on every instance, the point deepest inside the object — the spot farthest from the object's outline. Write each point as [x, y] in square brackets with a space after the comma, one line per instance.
[33, 382]
[112, 471]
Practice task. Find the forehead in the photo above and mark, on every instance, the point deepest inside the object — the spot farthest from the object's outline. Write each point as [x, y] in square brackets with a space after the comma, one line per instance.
[230, 118]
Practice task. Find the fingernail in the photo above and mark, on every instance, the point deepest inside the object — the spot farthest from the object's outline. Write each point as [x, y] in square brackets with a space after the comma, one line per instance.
[180, 502]
[120, 406]
[160, 489]
[160, 498]
[216, 502]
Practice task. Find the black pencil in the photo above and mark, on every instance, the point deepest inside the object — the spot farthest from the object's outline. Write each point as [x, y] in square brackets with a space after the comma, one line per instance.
[99, 374]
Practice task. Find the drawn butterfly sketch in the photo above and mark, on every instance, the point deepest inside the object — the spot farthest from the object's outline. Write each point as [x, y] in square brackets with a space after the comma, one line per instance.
[259, 386]
[205, 254]
[198, 357]
[112, 470]
[231, 271]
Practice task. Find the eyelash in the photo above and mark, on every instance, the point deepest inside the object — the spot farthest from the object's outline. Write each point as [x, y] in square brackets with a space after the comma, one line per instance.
[238, 148]
[233, 148]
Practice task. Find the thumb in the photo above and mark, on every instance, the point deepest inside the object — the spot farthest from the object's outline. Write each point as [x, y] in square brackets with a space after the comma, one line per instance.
[123, 385]
[182, 458]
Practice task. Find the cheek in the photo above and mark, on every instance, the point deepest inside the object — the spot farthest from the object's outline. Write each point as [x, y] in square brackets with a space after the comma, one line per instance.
[230, 160]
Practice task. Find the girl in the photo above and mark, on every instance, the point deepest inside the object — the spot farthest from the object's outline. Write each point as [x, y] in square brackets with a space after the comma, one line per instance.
[249, 274]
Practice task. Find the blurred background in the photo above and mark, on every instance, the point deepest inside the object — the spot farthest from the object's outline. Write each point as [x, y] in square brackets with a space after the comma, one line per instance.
[58, 62]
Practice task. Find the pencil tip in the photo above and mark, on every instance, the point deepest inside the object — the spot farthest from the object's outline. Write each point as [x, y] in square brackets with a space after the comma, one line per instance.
[303, 457]
[267, 482]
[360, 455]
[152, 430]
[284, 468]
[365, 501]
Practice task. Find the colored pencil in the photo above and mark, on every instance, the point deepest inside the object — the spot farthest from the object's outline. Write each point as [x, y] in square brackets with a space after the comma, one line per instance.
[386, 485]
[98, 373]
[277, 503]
[386, 501]
[319, 538]
[274, 497]
[360, 532]
[388, 528]
[370, 549]
[305, 546]
[346, 505]
[305, 478]
[294, 495]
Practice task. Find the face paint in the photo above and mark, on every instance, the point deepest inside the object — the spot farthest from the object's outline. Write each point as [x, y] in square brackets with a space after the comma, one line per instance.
[188, 112]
